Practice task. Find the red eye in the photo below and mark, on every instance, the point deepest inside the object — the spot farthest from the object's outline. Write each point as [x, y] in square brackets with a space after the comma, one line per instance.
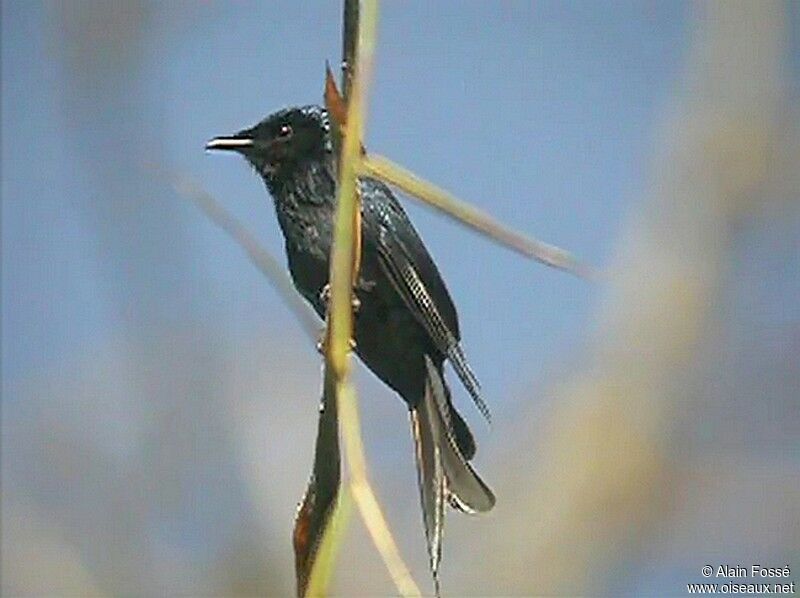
[285, 132]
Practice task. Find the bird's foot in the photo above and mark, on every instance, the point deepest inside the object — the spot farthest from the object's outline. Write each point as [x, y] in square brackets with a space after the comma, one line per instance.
[322, 338]
[325, 297]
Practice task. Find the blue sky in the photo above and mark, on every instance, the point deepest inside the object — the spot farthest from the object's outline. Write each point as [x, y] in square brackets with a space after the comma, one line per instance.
[540, 114]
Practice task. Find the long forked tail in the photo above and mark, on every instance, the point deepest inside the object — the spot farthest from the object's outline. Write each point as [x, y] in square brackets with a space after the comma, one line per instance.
[444, 474]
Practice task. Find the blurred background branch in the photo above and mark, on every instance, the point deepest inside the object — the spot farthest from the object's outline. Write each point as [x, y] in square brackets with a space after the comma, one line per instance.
[417, 188]
[269, 266]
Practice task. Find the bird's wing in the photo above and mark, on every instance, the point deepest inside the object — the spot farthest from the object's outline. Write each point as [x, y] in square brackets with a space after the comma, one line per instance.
[411, 269]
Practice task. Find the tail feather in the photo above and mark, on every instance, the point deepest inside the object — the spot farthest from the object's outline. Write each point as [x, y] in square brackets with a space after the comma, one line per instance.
[432, 488]
[443, 471]
[463, 483]
[462, 434]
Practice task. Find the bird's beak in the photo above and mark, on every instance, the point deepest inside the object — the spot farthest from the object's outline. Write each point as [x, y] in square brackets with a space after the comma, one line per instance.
[234, 144]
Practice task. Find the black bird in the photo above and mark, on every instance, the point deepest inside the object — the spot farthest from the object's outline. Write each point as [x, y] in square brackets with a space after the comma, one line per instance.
[405, 324]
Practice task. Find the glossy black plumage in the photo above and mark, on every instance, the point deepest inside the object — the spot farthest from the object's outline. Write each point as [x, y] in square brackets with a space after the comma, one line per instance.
[406, 325]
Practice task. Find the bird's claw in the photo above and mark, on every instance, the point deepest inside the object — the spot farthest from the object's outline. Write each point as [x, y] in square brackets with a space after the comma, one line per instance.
[325, 295]
[321, 342]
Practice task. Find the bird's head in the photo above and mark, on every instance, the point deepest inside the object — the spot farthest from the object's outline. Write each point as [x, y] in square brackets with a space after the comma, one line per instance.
[281, 144]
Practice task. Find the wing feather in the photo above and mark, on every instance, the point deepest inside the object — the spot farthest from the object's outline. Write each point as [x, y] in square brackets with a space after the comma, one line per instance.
[408, 265]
